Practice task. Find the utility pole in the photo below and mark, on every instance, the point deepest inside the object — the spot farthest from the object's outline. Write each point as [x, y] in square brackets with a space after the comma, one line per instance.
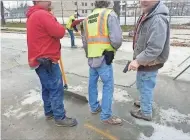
[62, 12]
[116, 8]
[2, 14]
[125, 12]
[135, 15]
[77, 8]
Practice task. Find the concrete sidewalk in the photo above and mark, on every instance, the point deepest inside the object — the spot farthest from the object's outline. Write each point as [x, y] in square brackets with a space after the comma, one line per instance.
[22, 107]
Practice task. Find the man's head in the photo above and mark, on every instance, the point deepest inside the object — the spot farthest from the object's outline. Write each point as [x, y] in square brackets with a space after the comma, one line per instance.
[76, 15]
[147, 5]
[46, 4]
[102, 3]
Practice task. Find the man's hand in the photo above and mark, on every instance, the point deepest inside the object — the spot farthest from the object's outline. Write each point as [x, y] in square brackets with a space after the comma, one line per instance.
[134, 65]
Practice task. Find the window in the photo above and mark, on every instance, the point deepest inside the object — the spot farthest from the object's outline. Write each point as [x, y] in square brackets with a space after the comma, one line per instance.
[82, 3]
[92, 4]
[85, 11]
[85, 3]
[75, 3]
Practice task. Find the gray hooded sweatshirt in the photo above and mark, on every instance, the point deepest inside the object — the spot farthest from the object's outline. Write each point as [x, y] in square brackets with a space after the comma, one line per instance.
[151, 47]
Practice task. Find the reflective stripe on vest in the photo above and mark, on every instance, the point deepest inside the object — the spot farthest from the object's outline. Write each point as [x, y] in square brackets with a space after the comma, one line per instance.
[98, 40]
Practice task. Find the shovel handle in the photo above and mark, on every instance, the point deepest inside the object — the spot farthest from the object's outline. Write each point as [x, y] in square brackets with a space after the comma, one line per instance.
[63, 72]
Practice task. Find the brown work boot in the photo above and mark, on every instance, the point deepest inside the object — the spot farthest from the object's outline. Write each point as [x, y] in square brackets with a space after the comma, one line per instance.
[139, 115]
[98, 110]
[113, 121]
[137, 104]
[49, 117]
[66, 122]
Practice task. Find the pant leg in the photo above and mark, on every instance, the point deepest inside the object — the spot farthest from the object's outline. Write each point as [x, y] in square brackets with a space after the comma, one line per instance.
[72, 37]
[56, 92]
[106, 74]
[45, 92]
[138, 83]
[54, 84]
[147, 85]
[93, 89]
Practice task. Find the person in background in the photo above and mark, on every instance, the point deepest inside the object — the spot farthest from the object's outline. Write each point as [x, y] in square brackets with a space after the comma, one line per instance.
[102, 37]
[70, 28]
[151, 51]
[43, 40]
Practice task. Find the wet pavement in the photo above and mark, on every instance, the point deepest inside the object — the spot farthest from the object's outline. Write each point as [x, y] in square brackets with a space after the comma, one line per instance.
[22, 108]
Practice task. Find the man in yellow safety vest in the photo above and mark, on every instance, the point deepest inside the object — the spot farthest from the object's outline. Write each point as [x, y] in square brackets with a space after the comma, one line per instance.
[70, 28]
[101, 36]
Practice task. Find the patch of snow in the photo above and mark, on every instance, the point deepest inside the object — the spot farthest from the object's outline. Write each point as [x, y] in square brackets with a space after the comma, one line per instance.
[32, 97]
[78, 88]
[119, 95]
[162, 132]
[177, 55]
[31, 113]
[13, 36]
[11, 112]
[171, 115]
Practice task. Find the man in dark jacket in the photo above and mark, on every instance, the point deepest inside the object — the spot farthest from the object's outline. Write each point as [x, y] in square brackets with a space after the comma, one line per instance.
[151, 51]
[43, 39]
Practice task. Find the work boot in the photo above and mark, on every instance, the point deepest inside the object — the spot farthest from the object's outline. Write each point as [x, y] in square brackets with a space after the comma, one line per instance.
[75, 46]
[113, 121]
[98, 110]
[49, 117]
[137, 104]
[66, 122]
[140, 115]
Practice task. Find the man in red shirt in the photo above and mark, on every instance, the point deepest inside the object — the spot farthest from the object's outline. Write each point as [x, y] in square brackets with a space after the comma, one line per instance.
[43, 39]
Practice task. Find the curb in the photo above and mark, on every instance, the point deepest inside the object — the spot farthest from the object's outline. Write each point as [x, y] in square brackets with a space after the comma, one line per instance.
[75, 95]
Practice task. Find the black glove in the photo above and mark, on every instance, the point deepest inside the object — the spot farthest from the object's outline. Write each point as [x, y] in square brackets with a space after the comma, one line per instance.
[46, 63]
[109, 56]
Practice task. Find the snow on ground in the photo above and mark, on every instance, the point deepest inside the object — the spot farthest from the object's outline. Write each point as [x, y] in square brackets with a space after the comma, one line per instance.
[172, 115]
[32, 97]
[162, 132]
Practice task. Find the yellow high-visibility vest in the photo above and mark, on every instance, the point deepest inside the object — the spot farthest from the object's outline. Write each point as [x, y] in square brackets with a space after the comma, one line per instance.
[97, 34]
[69, 22]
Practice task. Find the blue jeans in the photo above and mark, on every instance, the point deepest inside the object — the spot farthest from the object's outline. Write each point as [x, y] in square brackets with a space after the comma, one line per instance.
[52, 91]
[72, 37]
[105, 72]
[146, 82]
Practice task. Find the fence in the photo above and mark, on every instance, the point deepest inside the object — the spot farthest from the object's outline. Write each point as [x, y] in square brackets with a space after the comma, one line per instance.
[129, 13]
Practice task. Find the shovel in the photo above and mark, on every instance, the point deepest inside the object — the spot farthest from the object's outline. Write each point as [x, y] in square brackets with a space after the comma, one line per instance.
[63, 74]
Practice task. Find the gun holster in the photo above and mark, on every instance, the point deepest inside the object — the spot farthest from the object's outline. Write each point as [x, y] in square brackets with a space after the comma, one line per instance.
[46, 63]
[109, 56]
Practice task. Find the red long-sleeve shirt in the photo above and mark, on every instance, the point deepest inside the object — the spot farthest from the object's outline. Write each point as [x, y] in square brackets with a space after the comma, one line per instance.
[43, 35]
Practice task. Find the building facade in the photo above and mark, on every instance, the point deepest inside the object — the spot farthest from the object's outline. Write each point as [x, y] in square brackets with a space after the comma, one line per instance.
[65, 8]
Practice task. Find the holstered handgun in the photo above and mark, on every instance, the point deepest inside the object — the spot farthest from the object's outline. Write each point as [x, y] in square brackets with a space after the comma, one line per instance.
[46, 63]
